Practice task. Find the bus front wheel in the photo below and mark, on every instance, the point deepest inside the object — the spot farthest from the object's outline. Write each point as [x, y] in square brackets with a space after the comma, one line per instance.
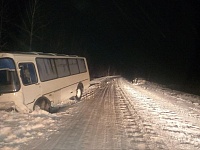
[42, 104]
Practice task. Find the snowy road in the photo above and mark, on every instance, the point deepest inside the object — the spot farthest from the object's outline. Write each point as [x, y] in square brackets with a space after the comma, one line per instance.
[123, 116]
[167, 119]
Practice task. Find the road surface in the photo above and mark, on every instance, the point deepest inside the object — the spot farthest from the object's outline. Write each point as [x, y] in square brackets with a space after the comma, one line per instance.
[123, 116]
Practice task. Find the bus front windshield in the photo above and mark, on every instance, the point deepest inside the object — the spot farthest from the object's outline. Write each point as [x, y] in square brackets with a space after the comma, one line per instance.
[9, 81]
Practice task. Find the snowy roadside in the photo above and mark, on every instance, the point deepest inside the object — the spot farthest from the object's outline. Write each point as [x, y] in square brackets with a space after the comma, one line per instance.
[16, 129]
[173, 115]
[161, 89]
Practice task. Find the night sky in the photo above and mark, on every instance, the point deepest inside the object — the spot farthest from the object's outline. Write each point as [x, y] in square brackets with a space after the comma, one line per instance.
[157, 40]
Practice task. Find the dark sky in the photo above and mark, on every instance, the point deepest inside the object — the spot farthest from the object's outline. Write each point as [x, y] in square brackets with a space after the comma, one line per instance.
[158, 40]
[133, 37]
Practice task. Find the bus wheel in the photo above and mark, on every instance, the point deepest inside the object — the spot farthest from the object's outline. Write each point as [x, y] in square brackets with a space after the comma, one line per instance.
[79, 92]
[43, 104]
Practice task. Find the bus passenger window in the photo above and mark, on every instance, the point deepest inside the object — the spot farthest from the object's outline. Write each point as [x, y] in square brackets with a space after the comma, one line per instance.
[27, 73]
[73, 66]
[81, 64]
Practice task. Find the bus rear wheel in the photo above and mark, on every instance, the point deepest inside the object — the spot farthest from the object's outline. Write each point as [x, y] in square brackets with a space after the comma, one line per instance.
[79, 92]
[42, 104]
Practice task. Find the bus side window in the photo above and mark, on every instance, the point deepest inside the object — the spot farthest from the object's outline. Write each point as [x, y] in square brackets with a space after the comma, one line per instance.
[27, 73]
[73, 66]
[81, 65]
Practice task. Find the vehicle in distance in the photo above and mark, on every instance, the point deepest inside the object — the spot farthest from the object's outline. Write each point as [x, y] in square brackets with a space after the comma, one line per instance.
[31, 79]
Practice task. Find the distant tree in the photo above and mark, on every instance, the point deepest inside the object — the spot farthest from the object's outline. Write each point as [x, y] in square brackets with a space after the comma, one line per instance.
[3, 21]
[33, 21]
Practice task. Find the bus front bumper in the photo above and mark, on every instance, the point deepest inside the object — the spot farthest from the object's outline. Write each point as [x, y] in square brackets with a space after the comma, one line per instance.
[7, 105]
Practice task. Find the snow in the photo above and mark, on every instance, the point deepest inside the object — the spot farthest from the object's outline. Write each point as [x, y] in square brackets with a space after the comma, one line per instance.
[16, 128]
[175, 120]
[173, 114]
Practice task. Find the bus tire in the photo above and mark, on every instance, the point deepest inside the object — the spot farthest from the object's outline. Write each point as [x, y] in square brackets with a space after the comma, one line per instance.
[43, 104]
[79, 92]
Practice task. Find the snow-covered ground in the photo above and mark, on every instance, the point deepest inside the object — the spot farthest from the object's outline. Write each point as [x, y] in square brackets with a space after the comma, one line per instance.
[172, 117]
[17, 129]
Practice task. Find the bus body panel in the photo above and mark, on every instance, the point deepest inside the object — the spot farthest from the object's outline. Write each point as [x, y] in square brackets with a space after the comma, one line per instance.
[61, 89]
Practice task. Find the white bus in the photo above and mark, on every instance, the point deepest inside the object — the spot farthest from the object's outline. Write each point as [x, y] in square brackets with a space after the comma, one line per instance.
[32, 79]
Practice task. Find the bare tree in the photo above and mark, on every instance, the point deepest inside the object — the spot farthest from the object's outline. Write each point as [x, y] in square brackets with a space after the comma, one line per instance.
[32, 21]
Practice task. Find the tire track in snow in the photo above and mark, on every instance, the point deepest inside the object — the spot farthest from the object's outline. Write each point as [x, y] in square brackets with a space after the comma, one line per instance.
[178, 131]
[140, 133]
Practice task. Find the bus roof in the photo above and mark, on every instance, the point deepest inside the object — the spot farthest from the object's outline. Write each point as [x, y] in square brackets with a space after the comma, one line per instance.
[17, 53]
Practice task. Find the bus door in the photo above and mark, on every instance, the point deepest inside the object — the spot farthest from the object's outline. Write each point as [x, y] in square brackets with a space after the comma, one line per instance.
[31, 88]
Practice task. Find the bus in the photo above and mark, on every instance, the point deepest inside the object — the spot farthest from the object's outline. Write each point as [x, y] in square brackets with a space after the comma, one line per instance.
[29, 80]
